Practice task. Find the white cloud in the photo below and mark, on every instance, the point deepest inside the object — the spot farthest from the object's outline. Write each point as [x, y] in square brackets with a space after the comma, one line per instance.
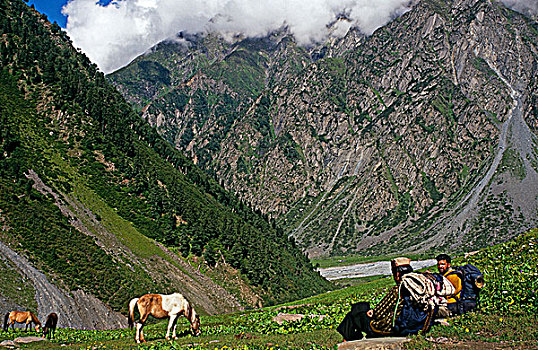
[115, 34]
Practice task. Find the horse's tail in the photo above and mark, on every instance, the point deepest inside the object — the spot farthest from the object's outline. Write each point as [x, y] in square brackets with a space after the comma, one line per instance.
[5, 321]
[132, 305]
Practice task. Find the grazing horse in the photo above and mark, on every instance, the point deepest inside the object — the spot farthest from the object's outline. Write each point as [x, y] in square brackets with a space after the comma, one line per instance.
[21, 317]
[161, 306]
[50, 325]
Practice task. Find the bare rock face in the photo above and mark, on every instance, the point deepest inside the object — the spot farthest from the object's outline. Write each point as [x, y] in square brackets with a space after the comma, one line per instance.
[420, 137]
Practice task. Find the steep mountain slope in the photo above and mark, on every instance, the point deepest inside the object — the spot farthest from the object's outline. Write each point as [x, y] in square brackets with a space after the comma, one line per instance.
[419, 137]
[92, 196]
[206, 85]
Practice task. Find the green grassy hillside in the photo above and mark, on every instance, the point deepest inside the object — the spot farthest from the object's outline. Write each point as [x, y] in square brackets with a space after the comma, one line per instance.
[64, 123]
[507, 317]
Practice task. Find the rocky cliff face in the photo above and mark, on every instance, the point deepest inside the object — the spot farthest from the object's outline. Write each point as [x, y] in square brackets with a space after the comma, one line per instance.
[420, 137]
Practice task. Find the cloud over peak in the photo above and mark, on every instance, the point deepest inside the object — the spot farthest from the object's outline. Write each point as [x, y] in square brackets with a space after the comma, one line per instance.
[113, 35]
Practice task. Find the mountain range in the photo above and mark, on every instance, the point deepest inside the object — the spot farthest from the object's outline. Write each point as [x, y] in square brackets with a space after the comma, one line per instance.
[215, 168]
[418, 138]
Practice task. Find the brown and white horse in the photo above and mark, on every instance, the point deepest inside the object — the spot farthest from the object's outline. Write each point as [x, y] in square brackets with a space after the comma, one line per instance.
[21, 317]
[161, 306]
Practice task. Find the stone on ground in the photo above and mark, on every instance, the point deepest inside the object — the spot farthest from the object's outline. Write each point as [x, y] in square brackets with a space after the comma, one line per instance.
[374, 343]
[25, 340]
[9, 344]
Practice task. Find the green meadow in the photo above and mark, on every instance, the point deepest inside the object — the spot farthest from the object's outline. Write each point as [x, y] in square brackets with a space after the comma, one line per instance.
[507, 318]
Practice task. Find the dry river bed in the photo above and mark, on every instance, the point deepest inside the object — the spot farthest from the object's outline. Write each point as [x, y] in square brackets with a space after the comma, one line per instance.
[368, 269]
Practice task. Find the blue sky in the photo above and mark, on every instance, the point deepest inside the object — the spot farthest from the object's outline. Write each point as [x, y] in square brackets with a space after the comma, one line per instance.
[53, 9]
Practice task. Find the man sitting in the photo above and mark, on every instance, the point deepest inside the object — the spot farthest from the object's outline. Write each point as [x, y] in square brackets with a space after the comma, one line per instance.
[468, 281]
[379, 321]
[397, 314]
[444, 266]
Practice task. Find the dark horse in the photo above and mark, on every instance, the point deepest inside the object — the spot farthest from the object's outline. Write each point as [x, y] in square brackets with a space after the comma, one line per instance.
[50, 325]
[21, 317]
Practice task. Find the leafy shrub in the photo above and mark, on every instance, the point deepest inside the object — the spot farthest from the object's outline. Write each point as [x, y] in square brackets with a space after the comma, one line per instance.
[510, 273]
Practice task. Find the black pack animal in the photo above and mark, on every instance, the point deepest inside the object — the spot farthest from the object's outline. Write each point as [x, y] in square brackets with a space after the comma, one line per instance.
[50, 325]
[355, 322]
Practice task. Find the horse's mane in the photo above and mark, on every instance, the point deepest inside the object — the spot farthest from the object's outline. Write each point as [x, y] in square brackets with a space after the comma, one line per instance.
[189, 312]
[34, 318]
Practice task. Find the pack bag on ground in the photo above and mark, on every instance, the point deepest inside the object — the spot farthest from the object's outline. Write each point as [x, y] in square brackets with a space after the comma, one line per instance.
[472, 282]
[427, 288]
[413, 317]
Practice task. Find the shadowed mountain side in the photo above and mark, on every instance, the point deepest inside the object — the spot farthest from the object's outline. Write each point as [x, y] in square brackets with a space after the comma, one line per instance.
[76, 309]
[97, 201]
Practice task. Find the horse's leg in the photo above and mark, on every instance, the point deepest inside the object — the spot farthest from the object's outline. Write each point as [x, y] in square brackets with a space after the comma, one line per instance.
[170, 324]
[144, 314]
[139, 336]
[138, 326]
[174, 336]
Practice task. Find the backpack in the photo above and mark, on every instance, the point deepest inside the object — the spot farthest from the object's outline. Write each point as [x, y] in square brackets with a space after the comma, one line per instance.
[413, 318]
[472, 281]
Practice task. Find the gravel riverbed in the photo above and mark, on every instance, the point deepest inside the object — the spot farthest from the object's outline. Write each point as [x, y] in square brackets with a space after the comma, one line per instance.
[369, 269]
